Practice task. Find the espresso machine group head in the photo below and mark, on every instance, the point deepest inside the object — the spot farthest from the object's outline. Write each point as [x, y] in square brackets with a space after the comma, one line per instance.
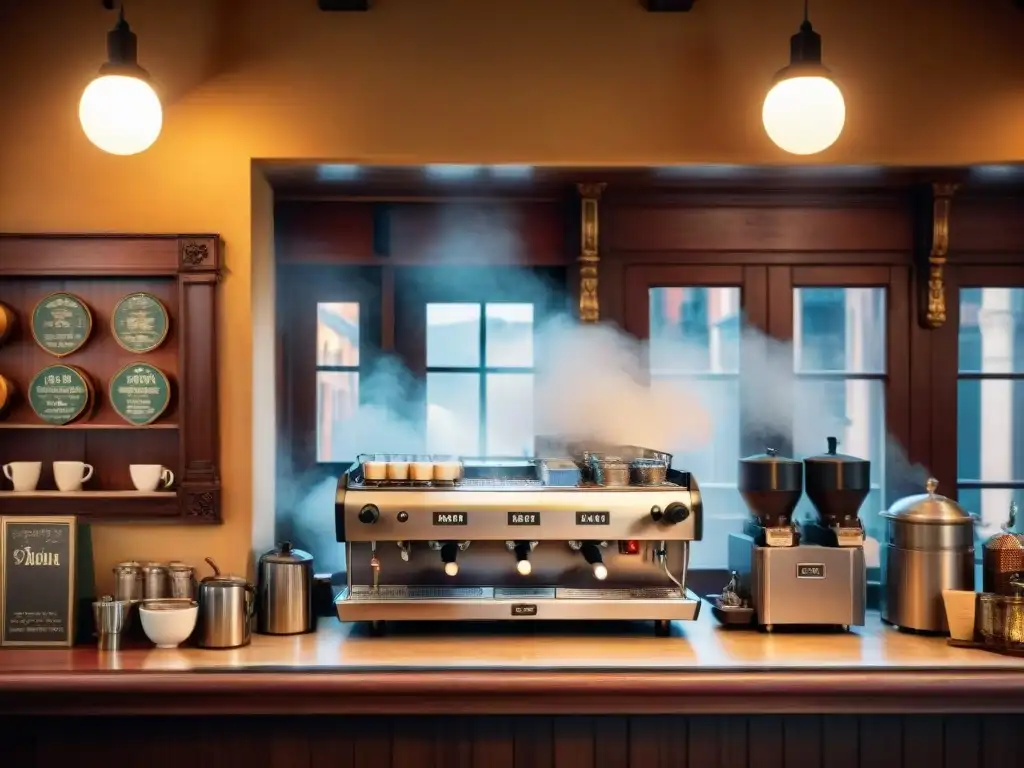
[592, 536]
[809, 573]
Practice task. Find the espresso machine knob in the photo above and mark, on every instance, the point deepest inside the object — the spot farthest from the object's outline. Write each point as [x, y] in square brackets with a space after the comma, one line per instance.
[522, 552]
[676, 513]
[592, 554]
[369, 514]
[449, 551]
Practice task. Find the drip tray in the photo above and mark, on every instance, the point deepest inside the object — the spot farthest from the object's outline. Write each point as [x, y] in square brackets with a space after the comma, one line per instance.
[415, 603]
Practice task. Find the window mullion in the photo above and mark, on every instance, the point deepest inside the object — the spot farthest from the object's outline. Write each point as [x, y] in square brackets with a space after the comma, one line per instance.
[482, 381]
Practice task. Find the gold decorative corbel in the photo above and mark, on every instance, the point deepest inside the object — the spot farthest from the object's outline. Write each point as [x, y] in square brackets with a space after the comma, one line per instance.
[590, 196]
[935, 294]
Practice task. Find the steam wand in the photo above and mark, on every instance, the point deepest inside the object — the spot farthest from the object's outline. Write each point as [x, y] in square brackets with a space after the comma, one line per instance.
[375, 565]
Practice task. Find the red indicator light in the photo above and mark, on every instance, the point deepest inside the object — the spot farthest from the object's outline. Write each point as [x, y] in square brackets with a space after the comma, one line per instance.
[629, 547]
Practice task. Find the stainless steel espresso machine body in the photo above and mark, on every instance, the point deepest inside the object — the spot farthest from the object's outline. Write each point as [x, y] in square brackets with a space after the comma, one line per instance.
[586, 537]
[812, 573]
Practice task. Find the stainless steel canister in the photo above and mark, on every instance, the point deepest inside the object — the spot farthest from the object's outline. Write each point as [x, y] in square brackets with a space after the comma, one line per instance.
[128, 584]
[156, 581]
[929, 547]
[284, 594]
[226, 606]
[182, 580]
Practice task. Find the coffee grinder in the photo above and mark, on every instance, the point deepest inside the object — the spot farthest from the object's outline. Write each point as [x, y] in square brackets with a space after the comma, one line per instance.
[808, 574]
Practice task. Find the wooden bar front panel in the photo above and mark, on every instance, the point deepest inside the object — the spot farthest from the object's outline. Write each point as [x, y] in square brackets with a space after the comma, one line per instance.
[710, 741]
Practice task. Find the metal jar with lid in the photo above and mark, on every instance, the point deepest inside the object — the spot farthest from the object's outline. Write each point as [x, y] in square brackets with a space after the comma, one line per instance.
[1003, 557]
[226, 606]
[284, 592]
[929, 547]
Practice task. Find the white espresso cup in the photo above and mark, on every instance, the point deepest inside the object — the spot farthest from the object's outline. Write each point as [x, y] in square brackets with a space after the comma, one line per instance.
[24, 475]
[149, 477]
[70, 475]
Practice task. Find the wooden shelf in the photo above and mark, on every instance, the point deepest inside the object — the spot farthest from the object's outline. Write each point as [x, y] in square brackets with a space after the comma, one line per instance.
[97, 506]
[87, 425]
[86, 494]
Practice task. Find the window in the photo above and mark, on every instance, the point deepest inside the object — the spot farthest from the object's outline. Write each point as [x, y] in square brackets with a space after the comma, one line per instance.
[480, 378]
[990, 403]
[694, 356]
[337, 377]
[839, 359]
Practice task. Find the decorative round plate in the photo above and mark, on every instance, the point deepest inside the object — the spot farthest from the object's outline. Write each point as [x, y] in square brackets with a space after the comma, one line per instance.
[140, 322]
[61, 323]
[59, 394]
[7, 321]
[139, 393]
[7, 394]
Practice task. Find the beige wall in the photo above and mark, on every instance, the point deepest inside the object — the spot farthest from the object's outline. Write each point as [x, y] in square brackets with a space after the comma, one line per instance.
[535, 81]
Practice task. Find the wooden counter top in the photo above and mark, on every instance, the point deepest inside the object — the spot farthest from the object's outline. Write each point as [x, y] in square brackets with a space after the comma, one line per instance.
[524, 668]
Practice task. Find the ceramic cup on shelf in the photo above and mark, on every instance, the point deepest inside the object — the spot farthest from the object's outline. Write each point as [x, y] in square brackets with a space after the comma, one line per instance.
[24, 475]
[69, 475]
[149, 477]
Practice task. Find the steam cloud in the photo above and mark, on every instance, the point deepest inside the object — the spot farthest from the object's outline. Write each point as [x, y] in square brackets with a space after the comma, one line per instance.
[593, 382]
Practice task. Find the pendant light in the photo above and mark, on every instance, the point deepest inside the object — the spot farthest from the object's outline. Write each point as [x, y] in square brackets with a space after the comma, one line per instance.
[804, 112]
[119, 111]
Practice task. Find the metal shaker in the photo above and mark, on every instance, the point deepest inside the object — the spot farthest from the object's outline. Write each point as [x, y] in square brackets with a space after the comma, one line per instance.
[110, 616]
[156, 581]
[128, 583]
[182, 580]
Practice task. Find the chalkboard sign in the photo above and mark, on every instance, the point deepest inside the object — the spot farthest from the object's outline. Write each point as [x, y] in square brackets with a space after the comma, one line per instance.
[37, 577]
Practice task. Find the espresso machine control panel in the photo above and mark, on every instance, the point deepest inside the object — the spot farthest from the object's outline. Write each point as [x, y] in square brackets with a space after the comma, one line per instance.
[430, 538]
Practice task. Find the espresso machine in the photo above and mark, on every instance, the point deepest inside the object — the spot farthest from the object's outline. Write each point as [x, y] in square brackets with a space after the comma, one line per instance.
[590, 536]
[810, 573]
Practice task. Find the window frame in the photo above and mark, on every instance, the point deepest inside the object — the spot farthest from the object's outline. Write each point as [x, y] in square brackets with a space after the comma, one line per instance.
[415, 287]
[482, 370]
[300, 291]
[947, 375]
[766, 301]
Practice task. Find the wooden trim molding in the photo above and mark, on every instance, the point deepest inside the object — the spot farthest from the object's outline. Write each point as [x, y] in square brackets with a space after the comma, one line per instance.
[663, 691]
[590, 257]
[186, 268]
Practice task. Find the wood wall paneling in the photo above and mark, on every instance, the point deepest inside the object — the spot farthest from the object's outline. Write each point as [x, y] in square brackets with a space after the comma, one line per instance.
[486, 233]
[182, 271]
[744, 228]
[710, 741]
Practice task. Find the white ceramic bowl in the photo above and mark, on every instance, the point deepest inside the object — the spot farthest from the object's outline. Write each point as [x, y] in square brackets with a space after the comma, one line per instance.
[168, 623]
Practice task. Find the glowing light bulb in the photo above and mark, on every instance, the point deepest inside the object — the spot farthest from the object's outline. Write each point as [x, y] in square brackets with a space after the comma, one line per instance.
[804, 114]
[121, 114]
[524, 567]
[451, 569]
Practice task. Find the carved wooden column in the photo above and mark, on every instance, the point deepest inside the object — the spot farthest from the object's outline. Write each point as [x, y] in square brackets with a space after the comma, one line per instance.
[590, 196]
[934, 304]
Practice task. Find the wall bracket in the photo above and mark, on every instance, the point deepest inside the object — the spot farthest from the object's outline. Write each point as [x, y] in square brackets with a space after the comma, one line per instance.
[590, 257]
[931, 274]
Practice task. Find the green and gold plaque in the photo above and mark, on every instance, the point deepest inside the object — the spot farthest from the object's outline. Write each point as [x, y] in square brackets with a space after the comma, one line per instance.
[140, 322]
[61, 323]
[59, 394]
[139, 393]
